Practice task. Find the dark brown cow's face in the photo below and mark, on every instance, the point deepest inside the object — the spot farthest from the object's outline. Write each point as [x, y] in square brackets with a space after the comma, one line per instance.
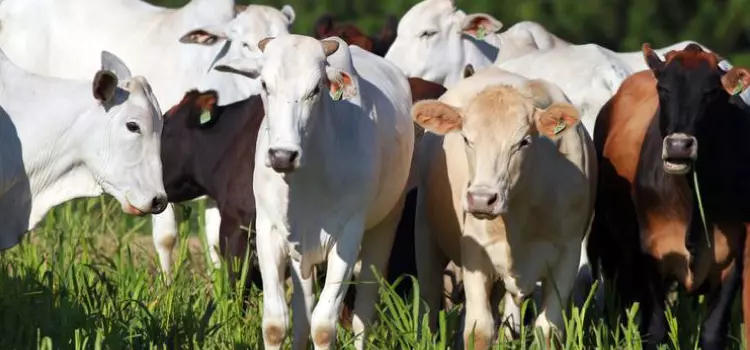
[689, 82]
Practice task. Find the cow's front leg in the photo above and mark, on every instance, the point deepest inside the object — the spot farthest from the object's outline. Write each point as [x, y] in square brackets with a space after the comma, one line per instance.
[376, 250]
[302, 304]
[164, 232]
[479, 326]
[212, 217]
[341, 259]
[272, 255]
[557, 287]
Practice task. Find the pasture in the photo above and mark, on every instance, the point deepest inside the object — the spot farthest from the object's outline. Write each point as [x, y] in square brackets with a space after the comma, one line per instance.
[88, 278]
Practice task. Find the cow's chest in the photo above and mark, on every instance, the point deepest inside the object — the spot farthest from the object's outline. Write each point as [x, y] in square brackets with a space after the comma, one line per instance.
[520, 265]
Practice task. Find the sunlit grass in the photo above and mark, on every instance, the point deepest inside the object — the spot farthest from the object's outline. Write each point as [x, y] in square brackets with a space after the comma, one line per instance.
[88, 278]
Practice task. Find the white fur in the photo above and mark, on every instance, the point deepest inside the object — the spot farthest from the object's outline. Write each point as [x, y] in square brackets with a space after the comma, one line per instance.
[60, 143]
[347, 191]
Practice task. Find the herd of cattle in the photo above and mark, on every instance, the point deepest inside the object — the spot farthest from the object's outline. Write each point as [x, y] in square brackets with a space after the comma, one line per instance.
[512, 158]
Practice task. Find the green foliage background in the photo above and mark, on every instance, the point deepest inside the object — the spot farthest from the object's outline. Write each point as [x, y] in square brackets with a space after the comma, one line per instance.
[621, 25]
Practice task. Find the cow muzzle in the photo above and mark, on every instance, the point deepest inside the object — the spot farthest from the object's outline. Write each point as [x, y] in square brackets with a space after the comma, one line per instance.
[283, 160]
[484, 203]
[679, 151]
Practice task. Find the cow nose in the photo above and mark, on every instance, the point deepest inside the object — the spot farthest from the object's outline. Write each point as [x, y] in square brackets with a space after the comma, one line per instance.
[282, 160]
[158, 204]
[482, 202]
[680, 147]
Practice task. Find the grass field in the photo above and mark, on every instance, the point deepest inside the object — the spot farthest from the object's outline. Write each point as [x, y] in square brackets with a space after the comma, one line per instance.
[88, 278]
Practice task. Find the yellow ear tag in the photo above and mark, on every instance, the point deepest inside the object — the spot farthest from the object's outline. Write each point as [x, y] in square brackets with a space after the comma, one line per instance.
[560, 126]
[738, 89]
[481, 33]
[205, 116]
[336, 95]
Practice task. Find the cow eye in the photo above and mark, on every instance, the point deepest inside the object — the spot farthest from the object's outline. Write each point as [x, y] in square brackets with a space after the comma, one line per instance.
[523, 143]
[466, 140]
[427, 34]
[263, 85]
[133, 127]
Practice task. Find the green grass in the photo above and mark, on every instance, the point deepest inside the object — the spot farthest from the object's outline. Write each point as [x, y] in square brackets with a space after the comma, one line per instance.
[88, 278]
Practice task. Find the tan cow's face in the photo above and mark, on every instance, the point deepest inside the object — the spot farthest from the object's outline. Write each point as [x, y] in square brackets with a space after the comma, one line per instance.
[501, 128]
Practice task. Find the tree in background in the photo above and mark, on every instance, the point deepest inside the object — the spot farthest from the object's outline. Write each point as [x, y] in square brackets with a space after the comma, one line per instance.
[621, 25]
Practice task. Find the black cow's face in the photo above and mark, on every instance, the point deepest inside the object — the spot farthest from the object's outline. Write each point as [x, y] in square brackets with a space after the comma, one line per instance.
[689, 82]
[194, 113]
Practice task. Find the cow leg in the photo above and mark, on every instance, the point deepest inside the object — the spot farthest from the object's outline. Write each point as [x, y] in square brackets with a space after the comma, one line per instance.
[479, 323]
[164, 232]
[557, 287]
[341, 259]
[272, 255]
[234, 245]
[511, 316]
[213, 231]
[376, 250]
[716, 325]
[302, 304]
[653, 320]
[430, 262]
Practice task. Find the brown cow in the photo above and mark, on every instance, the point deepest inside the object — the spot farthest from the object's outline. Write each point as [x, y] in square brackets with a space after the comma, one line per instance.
[327, 26]
[664, 126]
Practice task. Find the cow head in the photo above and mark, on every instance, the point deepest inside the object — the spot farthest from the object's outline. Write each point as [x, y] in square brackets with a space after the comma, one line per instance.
[297, 77]
[238, 38]
[503, 128]
[122, 146]
[689, 82]
[435, 41]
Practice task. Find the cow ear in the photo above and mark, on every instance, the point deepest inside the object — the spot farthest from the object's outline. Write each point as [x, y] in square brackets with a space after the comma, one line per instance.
[736, 80]
[340, 84]
[436, 116]
[204, 36]
[104, 85]
[115, 65]
[555, 119]
[288, 12]
[249, 67]
[479, 25]
[652, 59]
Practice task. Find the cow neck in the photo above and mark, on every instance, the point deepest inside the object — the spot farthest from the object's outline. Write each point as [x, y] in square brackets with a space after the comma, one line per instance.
[231, 139]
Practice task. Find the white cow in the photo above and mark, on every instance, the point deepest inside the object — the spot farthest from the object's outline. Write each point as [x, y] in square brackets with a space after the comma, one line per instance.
[64, 139]
[588, 74]
[509, 197]
[40, 35]
[333, 163]
[435, 41]
[434, 248]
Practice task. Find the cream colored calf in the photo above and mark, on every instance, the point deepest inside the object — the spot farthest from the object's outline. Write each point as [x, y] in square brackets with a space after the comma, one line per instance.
[529, 167]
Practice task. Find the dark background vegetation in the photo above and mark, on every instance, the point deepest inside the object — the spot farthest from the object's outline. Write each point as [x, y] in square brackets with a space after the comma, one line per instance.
[621, 25]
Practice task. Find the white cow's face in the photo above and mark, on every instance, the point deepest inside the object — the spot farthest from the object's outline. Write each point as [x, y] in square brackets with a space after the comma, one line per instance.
[296, 80]
[435, 41]
[501, 129]
[238, 39]
[122, 146]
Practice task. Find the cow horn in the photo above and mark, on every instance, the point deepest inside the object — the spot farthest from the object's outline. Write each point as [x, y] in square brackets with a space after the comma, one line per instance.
[329, 46]
[262, 44]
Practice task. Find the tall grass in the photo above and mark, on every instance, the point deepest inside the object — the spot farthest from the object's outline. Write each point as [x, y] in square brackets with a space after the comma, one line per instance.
[88, 278]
